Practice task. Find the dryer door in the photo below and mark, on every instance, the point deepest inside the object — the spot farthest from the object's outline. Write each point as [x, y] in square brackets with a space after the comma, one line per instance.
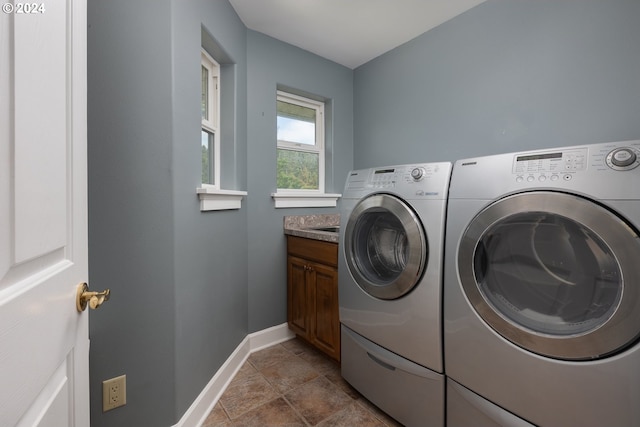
[385, 246]
[554, 273]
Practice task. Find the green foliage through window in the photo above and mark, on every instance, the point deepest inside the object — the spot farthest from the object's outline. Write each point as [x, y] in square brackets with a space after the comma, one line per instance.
[205, 165]
[300, 143]
[297, 170]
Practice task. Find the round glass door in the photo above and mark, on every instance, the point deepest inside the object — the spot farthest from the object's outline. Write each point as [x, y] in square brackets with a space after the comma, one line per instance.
[552, 273]
[385, 246]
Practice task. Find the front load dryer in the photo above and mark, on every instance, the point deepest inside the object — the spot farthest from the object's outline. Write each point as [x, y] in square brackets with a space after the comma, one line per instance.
[390, 288]
[542, 286]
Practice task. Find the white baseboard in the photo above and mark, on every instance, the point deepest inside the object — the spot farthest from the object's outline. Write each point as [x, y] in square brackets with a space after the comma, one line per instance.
[204, 403]
[270, 336]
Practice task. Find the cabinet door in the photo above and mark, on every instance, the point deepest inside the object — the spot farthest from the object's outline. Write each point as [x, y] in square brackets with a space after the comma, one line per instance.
[325, 324]
[298, 296]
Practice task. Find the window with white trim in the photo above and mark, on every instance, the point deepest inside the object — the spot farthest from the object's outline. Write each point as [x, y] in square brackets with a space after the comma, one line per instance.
[300, 171]
[210, 136]
[300, 147]
[218, 82]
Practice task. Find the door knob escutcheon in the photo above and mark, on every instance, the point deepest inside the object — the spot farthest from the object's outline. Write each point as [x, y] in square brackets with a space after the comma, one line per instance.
[94, 299]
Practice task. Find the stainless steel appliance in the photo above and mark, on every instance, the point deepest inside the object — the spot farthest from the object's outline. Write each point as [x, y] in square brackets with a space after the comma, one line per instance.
[390, 288]
[542, 287]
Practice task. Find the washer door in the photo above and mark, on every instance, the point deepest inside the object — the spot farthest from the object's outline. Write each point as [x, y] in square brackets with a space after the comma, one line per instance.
[554, 273]
[385, 246]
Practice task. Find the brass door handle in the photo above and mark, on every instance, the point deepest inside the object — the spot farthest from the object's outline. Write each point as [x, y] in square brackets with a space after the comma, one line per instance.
[95, 299]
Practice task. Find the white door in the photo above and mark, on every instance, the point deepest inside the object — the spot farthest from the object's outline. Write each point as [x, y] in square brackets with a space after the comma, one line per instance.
[44, 345]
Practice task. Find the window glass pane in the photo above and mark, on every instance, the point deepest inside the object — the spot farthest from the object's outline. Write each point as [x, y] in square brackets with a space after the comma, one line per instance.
[205, 93]
[296, 123]
[207, 158]
[297, 170]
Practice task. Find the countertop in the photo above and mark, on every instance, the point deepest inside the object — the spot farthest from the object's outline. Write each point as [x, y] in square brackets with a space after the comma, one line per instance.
[302, 226]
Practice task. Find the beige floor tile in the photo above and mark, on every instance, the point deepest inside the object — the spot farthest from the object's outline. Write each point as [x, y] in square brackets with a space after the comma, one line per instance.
[276, 413]
[293, 384]
[297, 346]
[216, 418]
[263, 358]
[336, 378]
[244, 371]
[289, 373]
[318, 399]
[321, 362]
[244, 394]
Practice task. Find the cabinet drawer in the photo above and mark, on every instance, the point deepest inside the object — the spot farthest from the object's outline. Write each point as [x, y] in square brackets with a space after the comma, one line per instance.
[315, 250]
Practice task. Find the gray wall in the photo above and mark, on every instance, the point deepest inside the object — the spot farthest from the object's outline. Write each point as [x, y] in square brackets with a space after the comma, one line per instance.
[504, 76]
[210, 247]
[131, 208]
[178, 276]
[272, 64]
[187, 286]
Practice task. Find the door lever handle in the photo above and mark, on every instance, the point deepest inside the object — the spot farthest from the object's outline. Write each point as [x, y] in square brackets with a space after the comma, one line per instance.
[94, 299]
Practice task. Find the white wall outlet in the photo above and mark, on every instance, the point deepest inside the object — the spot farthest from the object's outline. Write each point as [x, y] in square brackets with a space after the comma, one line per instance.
[114, 393]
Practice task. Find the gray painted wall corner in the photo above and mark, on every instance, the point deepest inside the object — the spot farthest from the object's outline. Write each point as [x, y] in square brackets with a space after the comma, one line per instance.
[272, 64]
[211, 247]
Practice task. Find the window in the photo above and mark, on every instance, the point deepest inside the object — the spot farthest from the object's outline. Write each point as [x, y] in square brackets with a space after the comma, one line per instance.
[300, 134]
[210, 136]
[212, 196]
[300, 171]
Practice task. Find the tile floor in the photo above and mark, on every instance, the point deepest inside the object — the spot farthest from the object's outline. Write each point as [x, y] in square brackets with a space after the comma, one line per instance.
[292, 384]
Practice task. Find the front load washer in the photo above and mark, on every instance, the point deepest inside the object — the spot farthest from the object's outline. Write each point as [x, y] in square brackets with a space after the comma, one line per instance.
[390, 288]
[542, 284]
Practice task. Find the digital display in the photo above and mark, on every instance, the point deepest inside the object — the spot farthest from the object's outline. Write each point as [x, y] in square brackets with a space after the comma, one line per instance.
[539, 157]
[384, 171]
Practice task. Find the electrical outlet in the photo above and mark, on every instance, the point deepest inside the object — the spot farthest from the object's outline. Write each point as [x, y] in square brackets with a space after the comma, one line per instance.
[114, 393]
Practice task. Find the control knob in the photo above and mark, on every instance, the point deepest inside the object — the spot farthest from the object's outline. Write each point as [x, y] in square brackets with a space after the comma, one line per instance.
[417, 174]
[622, 159]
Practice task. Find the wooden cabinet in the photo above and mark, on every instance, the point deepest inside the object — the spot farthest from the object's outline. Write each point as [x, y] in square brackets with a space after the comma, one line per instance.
[312, 293]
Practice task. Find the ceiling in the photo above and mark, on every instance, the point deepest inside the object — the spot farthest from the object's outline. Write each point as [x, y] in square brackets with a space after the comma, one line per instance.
[349, 32]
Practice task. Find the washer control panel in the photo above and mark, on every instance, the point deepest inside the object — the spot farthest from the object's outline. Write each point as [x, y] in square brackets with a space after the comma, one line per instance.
[398, 175]
[553, 165]
[383, 178]
[417, 180]
[417, 173]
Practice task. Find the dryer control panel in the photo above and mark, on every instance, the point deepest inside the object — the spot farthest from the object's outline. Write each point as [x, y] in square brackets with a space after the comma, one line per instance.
[623, 158]
[554, 165]
[540, 166]
[604, 171]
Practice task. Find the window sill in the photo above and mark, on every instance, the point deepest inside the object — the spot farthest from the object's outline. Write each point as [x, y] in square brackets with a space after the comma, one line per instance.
[218, 200]
[302, 200]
